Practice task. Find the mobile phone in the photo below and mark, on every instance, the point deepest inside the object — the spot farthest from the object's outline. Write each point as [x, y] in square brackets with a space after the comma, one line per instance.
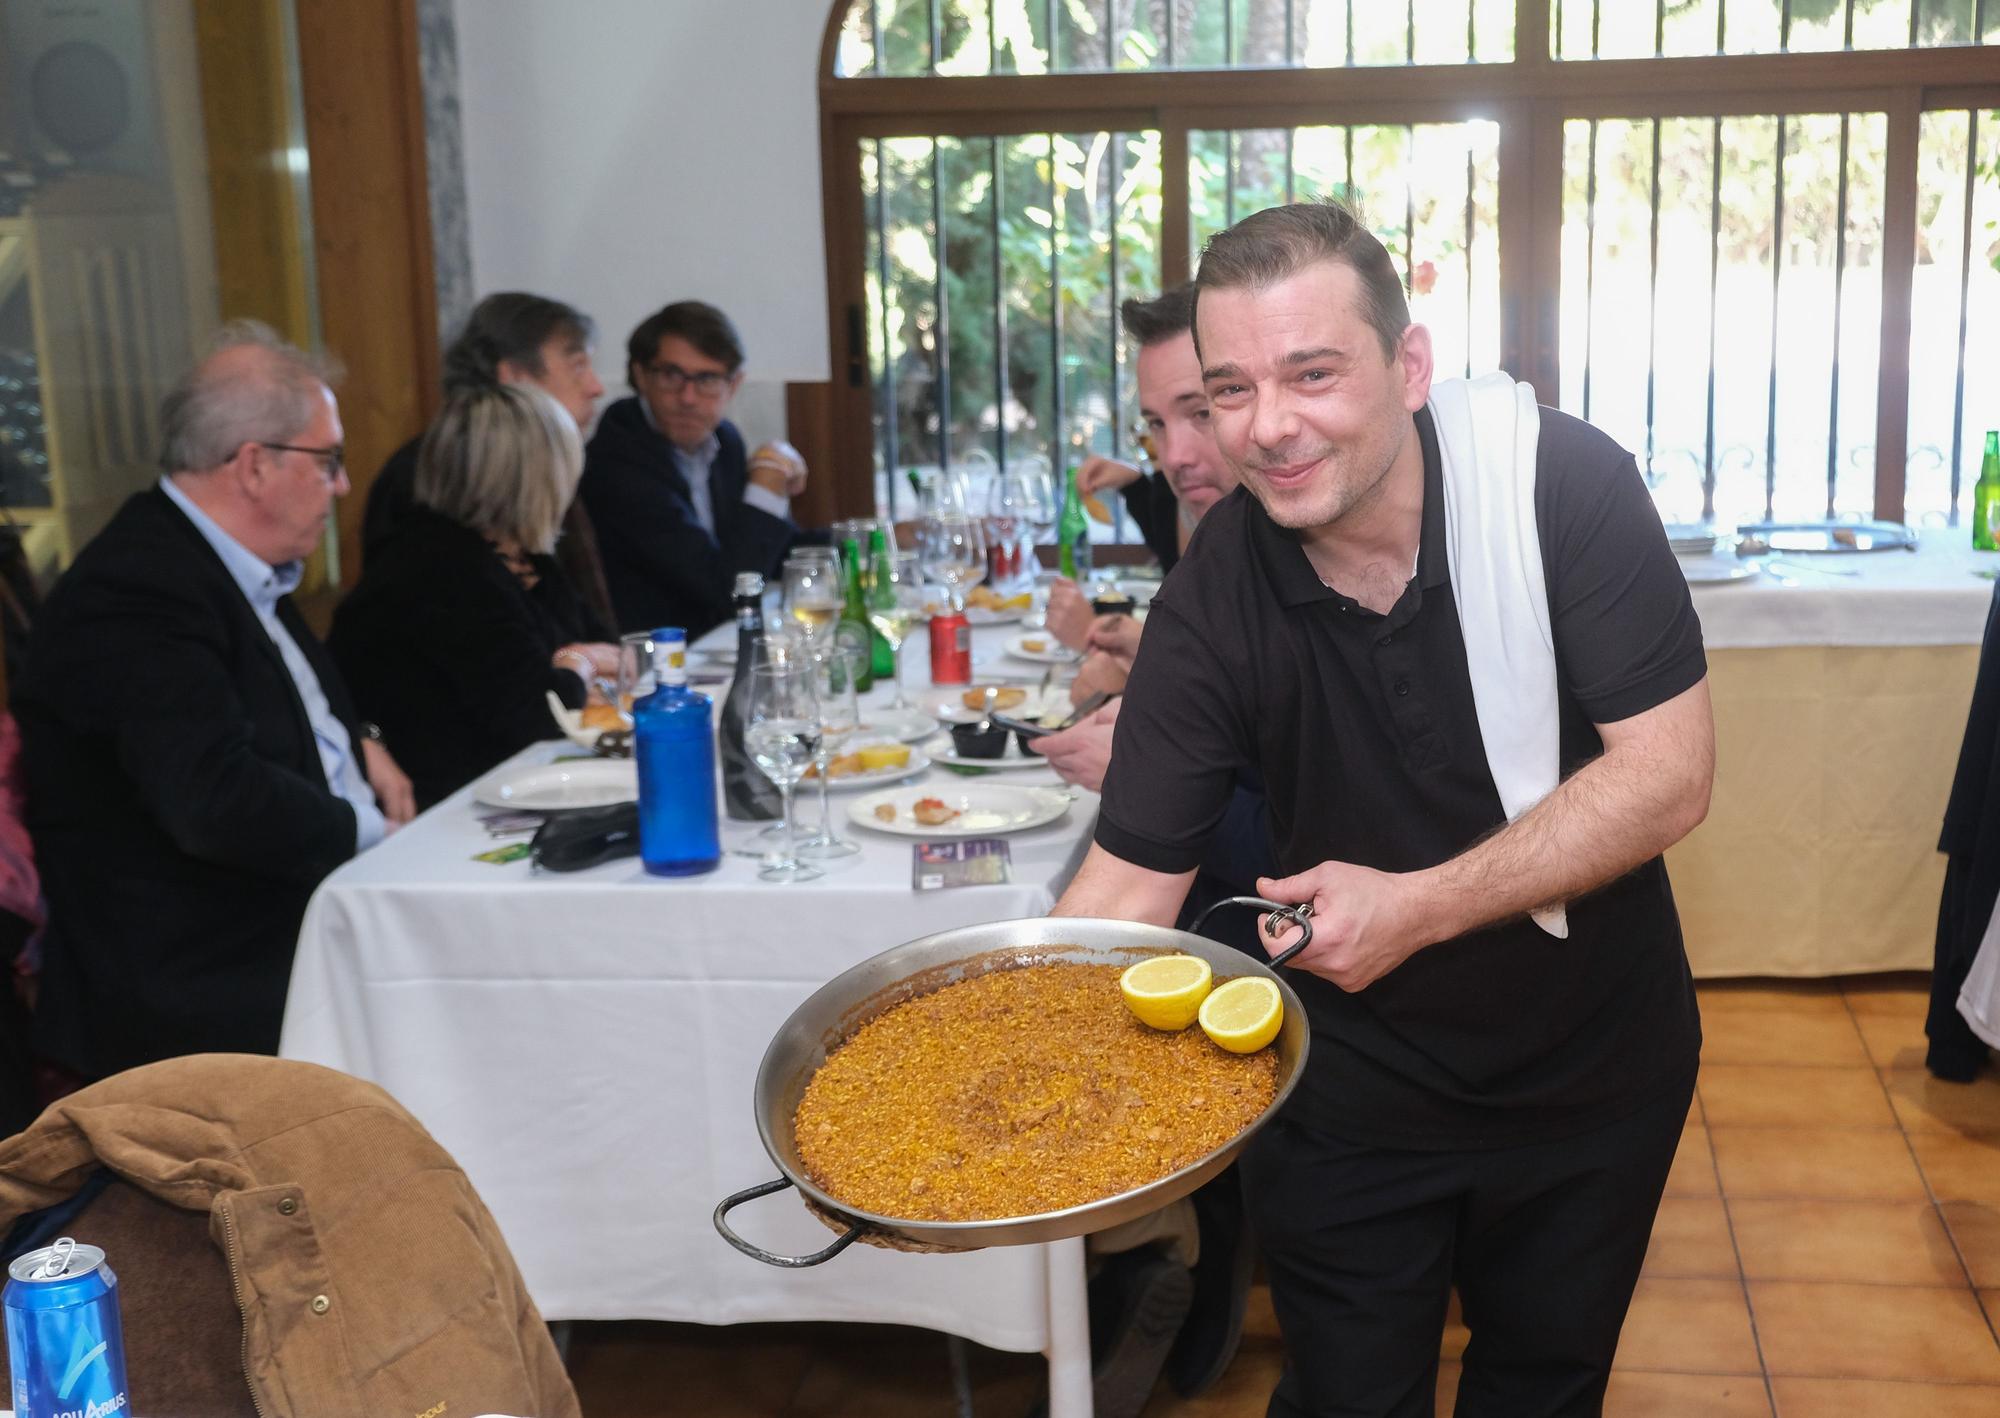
[1076, 716]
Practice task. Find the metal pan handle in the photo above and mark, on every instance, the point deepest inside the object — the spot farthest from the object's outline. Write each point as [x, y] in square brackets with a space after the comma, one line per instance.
[729, 1203]
[1300, 916]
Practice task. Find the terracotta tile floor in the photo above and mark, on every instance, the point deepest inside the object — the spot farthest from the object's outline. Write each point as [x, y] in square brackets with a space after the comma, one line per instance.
[1829, 1246]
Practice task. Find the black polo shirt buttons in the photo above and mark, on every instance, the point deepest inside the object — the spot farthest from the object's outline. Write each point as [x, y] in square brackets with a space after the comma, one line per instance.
[1401, 686]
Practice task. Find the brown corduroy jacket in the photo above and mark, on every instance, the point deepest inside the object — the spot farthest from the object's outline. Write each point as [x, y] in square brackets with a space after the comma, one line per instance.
[370, 1278]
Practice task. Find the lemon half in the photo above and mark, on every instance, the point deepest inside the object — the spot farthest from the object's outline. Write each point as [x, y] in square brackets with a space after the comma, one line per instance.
[1166, 991]
[1243, 1015]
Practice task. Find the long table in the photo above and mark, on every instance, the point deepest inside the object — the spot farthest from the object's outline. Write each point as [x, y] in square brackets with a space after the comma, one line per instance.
[585, 1045]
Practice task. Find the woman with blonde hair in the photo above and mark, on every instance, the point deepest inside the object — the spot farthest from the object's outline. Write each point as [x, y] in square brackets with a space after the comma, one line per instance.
[462, 622]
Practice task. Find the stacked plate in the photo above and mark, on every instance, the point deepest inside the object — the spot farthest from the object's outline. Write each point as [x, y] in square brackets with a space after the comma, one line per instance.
[1691, 538]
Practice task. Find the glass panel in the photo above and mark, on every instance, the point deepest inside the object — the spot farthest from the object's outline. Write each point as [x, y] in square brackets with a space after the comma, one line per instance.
[1030, 377]
[1020, 35]
[1260, 38]
[965, 38]
[1625, 29]
[147, 181]
[1791, 435]
[1954, 311]
[1141, 34]
[1493, 25]
[855, 56]
[1080, 36]
[1429, 192]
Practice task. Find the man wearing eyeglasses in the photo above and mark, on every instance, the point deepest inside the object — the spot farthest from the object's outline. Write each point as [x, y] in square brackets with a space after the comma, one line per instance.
[193, 764]
[678, 504]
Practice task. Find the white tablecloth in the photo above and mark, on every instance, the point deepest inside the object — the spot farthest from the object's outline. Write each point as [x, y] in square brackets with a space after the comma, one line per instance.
[585, 1045]
[1930, 597]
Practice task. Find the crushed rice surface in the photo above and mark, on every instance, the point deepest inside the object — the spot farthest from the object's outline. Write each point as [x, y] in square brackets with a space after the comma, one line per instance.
[1019, 1092]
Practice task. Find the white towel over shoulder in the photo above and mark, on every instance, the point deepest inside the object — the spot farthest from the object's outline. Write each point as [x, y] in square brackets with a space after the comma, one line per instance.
[1487, 430]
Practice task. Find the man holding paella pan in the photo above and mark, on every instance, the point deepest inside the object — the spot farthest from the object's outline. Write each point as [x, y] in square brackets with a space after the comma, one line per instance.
[1445, 626]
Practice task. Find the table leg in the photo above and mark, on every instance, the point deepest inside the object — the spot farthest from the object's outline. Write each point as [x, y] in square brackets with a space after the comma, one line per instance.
[1069, 1331]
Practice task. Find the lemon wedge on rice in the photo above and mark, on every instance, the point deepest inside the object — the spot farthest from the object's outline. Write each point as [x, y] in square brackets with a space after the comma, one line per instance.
[1243, 1015]
[1166, 991]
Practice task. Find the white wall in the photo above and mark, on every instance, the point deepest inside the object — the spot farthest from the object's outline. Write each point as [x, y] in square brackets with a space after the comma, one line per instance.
[620, 154]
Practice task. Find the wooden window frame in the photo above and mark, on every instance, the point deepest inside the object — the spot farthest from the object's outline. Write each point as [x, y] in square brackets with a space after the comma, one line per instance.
[1531, 97]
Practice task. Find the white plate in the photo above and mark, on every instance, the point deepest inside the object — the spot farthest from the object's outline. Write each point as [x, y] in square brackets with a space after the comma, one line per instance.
[902, 725]
[1715, 570]
[554, 787]
[1051, 652]
[873, 777]
[1012, 761]
[985, 809]
[948, 705]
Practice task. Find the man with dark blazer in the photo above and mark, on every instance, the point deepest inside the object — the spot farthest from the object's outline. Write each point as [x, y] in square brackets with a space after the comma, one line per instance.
[679, 506]
[193, 764]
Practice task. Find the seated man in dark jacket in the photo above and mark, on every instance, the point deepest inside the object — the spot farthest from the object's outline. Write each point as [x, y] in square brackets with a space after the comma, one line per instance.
[678, 505]
[194, 766]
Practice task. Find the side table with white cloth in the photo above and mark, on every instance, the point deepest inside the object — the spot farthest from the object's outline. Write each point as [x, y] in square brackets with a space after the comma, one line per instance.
[1840, 684]
[586, 1045]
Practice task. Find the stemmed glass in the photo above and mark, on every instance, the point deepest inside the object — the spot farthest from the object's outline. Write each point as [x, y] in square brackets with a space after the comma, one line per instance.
[894, 606]
[834, 677]
[813, 595]
[954, 552]
[781, 730]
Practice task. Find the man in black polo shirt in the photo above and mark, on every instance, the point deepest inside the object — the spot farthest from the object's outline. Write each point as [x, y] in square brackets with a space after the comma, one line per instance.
[1490, 1104]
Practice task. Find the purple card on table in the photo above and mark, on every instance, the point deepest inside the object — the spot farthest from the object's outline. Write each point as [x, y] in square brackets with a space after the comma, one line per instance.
[969, 861]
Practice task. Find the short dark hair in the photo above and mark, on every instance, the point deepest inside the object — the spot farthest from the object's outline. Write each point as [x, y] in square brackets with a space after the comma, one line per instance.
[511, 326]
[1272, 245]
[1166, 315]
[695, 321]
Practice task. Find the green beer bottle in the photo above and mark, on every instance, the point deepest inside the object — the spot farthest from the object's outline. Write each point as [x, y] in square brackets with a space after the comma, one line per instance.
[854, 612]
[1986, 495]
[878, 592]
[1073, 532]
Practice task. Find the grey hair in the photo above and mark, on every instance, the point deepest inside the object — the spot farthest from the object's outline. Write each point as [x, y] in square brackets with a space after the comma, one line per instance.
[211, 413]
[502, 459]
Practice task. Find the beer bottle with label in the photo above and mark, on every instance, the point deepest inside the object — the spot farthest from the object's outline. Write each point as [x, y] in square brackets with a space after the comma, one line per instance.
[1073, 532]
[747, 795]
[1986, 496]
[880, 591]
[854, 633]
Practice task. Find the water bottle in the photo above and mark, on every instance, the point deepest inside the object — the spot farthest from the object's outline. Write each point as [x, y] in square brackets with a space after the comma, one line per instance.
[747, 795]
[673, 739]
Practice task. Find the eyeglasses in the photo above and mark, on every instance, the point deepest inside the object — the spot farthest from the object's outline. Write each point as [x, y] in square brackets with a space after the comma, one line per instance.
[333, 459]
[672, 378]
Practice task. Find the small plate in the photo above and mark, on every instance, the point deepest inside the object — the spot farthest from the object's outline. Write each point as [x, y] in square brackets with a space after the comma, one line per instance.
[1043, 649]
[947, 704]
[902, 725]
[1715, 570]
[873, 777]
[561, 787]
[984, 809]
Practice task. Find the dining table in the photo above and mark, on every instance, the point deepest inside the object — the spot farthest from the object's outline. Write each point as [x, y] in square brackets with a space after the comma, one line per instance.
[585, 1044]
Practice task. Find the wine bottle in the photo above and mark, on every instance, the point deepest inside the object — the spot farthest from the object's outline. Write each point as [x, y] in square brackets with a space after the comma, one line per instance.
[747, 795]
[673, 740]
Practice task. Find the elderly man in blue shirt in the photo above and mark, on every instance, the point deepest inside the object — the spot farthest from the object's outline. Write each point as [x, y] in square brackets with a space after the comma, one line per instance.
[194, 766]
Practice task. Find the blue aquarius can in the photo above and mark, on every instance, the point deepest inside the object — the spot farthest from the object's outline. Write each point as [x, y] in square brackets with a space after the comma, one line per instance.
[65, 1347]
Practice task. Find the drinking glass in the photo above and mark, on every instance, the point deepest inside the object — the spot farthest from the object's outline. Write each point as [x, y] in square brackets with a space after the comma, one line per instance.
[813, 595]
[781, 730]
[1010, 509]
[893, 610]
[954, 552]
[1042, 503]
[635, 671]
[834, 677]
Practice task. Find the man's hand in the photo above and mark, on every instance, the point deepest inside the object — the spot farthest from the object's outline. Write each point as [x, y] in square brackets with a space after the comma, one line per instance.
[1363, 922]
[1101, 674]
[1104, 475]
[778, 467]
[1082, 752]
[393, 792]
[1116, 636]
[1070, 614]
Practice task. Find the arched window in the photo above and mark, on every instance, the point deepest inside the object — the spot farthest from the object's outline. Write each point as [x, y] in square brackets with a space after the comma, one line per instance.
[1755, 240]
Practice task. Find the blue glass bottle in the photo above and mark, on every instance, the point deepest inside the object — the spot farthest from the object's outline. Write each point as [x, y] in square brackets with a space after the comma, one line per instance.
[673, 739]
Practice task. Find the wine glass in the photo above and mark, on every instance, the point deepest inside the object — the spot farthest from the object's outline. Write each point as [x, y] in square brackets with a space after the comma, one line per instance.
[781, 730]
[835, 675]
[954, 552]
[1011, 510]
[813, 594]
[1043, 508]
[894, 606]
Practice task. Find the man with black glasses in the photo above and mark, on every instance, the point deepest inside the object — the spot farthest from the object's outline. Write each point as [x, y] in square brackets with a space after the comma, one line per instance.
[679, 506]
[194, 765]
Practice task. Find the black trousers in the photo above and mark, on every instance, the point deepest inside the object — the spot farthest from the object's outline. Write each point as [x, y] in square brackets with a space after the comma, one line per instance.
[1544, 1242]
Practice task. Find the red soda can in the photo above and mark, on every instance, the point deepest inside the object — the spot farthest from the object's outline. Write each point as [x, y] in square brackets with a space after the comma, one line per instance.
[951, 648]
